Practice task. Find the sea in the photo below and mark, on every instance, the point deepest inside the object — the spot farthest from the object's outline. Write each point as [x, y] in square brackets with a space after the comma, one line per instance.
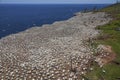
[15, 18]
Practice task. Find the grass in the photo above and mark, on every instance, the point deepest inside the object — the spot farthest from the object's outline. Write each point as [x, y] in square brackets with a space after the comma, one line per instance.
[111, 72]
[110, 29]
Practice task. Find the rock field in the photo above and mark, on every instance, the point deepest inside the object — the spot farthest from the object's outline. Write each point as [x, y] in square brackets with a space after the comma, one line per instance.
[57, 51]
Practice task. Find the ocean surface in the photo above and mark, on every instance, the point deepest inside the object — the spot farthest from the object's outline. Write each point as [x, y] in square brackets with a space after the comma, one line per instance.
[19, 17]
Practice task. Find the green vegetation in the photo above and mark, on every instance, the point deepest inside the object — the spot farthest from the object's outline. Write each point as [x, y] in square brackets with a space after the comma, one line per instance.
[112, 72]
[111, 34]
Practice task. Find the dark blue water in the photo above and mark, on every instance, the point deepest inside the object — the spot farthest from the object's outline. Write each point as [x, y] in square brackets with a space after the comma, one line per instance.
[18, 17]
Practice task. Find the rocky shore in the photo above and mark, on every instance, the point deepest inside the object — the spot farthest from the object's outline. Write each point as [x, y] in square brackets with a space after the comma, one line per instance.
[59, 51]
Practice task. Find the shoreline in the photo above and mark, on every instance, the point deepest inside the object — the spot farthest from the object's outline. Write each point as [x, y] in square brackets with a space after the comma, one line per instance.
[16, 28]
[52, 47]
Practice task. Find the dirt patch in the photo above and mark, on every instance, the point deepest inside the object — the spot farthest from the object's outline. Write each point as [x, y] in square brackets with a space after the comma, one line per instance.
[111, 55]
[105, 55]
